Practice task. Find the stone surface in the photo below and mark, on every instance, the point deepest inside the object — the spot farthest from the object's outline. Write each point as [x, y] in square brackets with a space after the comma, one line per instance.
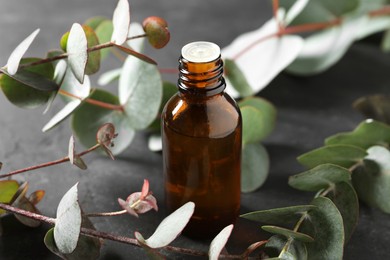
[309, 110]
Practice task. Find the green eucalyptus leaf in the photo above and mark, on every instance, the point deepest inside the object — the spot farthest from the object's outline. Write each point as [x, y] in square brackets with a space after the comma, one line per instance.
[295, 251]
[219, 242]
[88, 118]
[268, 114]
[93, 62]
[76, 48]
[280, 216]
[366, 134]
[346, 200]
[30, 87]
[171, 226]
[104, 32]
[338, 154]
[140, 92]
[237, 78]
[68, 222]
[288, 233]
[325, 225]
[17, 54]
[254, 167]
[8, 189]
[25, 204]
[251, 124]
[320, 177]
[95, 21]
[121, 22]
[372, 180]
[376, 107]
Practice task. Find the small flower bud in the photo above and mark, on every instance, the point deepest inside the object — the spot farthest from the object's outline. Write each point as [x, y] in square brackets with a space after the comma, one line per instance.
[156, 29]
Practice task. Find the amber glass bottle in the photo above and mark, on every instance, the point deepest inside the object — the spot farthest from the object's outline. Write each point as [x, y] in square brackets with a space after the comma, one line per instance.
[201, 132]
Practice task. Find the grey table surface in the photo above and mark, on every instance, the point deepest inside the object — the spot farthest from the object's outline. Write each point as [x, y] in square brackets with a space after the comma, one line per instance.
[309, 110]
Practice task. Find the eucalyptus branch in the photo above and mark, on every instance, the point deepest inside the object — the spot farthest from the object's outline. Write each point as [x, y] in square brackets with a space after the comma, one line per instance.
[47, 164]
[109, 236]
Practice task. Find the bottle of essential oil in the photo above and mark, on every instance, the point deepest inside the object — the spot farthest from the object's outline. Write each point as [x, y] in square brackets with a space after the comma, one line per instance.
[201, 133]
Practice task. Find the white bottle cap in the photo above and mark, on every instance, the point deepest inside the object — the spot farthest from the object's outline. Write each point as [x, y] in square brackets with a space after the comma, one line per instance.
[200, 52]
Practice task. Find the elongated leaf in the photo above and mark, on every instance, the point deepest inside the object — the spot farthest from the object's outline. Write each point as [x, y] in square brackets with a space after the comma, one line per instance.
[320, 177]
[8, 189]
[30, 87]
[267, 118]
[376, 107]
[295, 251]
[261, 56]
[121, 22]
[93, 61]
[77, 51]
[372, 181]
[58, 77]
[104, 32]
[140, 92]
[237, 78]
[68, 222]
[18, 52]
[295, 10]
[366, 134]
[325, 225]
[288, 233]
[279, 216]
[152, 253]
[88, 118]
[346, 200]
[219, 242]
[171, 226]
[254, 167]
[338, 154]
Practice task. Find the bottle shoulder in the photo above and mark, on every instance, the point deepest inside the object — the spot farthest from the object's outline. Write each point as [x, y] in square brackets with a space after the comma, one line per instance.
[214, 116]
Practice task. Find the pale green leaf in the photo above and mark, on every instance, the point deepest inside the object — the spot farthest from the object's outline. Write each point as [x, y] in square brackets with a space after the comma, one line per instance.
[76, 48]
[288, 233]
[8, 189]
[254, 167]
[295, 251]
[104, 32]
[121, 22]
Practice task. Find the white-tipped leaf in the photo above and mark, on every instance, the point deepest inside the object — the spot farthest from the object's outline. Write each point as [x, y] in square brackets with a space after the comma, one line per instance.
[219, 242]
[121, 22]
[76, 47]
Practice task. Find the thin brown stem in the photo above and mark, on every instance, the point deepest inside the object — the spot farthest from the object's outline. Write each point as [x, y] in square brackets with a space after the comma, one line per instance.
[47, 164]
[47, 60]
[169, 70]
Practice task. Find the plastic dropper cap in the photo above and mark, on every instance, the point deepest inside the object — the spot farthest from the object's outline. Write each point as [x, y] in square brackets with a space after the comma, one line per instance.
[200, 52]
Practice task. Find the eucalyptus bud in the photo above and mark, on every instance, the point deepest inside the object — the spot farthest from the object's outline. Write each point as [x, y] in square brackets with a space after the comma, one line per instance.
[156, 29]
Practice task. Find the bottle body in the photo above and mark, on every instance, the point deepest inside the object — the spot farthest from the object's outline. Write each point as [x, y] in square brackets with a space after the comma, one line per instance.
[201, 133]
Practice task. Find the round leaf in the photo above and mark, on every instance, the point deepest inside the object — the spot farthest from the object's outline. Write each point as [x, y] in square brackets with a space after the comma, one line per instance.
[254, 167]
[325, 225]
[88, 118]
[372, 181]
[288, 233]
[219, 242]
[342, 155]
[366, 134]
[251, 123]
[140, 92]
[68, 222]
[171, 226]
[121, 22]
[320, 177]
[18, 52]
[77, 51]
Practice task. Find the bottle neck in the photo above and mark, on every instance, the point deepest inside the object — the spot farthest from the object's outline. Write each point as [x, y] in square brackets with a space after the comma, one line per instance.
[203, 78]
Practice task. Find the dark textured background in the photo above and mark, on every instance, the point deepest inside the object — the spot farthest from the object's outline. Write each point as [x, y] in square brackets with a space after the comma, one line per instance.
[309, 109]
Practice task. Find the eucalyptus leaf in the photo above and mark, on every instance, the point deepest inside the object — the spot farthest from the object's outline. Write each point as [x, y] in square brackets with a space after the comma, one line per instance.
[288, 233]
[346, 200]
[338, 154]
[276, 54]
[137, 44]
[325, 225]
[251, 125]
[279, 216]
[152, 253]
[237, 78]
[93, 62]
[76, 48]
[295, 10]
[140, 92]
[8, 189]
[58, 77]
[254, 167]
[376, 107]
[372, 180]
[17, 54]
[95, 21]
[295, 251]
[104, 32]
[68, 222]
[30, 87]
[88, 118]
[109, 77]
[366, 134]
[267, 118]
[25, 204]
[121, 22]
[320, 177]
[219, 242]
[171, 226]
